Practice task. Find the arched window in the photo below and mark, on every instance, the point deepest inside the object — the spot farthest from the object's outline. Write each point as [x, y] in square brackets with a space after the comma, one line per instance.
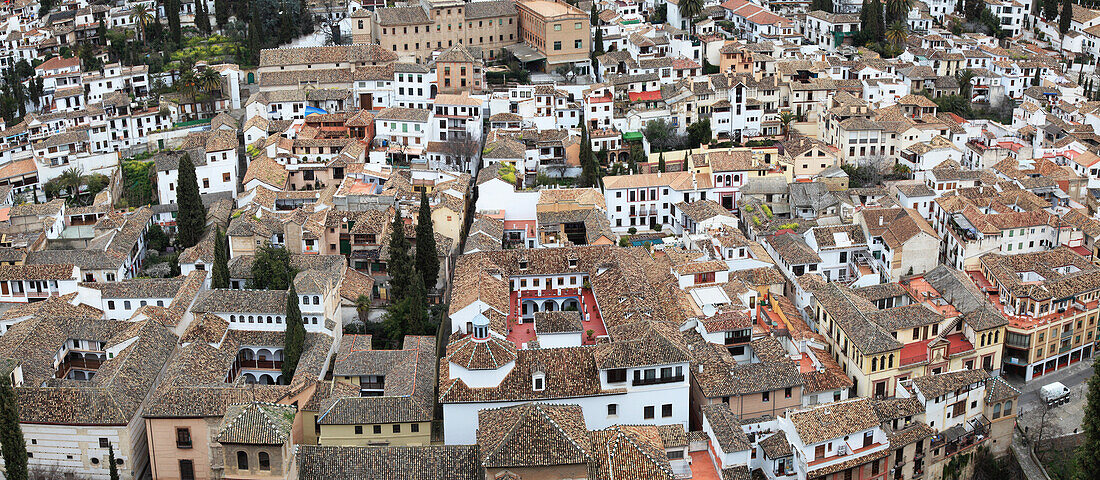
[232, 318]
[269, 320]
[305, 299]
[1008, 408]
[983, 340]
[316, 300]
[997, 411]
[996, 336]
[891, 361]
[242, 460]
[265, 461]
[874, 364]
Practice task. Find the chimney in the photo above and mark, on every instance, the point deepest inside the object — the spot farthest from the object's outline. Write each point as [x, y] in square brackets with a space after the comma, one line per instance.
[880, 220]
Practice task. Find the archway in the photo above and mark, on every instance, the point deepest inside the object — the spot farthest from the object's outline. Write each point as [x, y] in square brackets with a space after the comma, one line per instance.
[549, 306]
[570, 304]
[263, 354]
[266, 379]
[249, 378]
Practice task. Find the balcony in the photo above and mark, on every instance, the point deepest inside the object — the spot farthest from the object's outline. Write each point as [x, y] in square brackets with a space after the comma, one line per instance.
[638, 382]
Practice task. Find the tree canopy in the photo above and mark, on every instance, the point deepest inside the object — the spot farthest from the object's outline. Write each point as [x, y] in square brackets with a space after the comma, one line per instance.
[191, 218]
[271, 269]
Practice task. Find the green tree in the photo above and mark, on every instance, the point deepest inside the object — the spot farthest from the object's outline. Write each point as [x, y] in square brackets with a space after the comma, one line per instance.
[295, 336]
[12, 444]
[156, 239]
[399, 265]
[221, 12]
[595, 16]
[427, 258]
[689, 9]
[637, 157]
[587, 160]
[661, 162]
[220, 275]
[785, 120]
[898, 34]
[1088, 453]
[271, 269]
[699, 133]
[113, 467]
[1050, 9]
[597, 43]
[1066, 17]
[964, 78]
[142, 17]
[897, 11]
[191, 218]
[202, 17]
[173, 13]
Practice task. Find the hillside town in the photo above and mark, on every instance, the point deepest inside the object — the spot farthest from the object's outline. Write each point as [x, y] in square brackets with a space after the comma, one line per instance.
[549, 239]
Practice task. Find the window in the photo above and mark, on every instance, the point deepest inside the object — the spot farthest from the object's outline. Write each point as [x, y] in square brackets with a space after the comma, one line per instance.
[242, 460]
[183, 437]
[616, 375]
[612, 409]
[377, 429]
[648, 412]
[787, 392]
[104, 442]
[225, 176]
[1008, 408]
[265, 461]
[578, 43]
[358, 429]
[414, 427]
[765, 397]
[397, 428]
[557, 45]
[557, 27]
[666, 410]
[187, 470]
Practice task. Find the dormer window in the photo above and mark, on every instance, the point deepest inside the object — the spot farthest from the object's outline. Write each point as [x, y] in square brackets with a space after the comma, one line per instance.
[538, 382]
[523, 264]
[572, 263]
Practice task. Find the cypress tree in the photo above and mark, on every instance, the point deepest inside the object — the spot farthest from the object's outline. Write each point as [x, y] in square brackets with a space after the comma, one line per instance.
[254, 44]
[1050, 9]
[202, 16]
[12, 444]
[1088, 453]
[427, 259]
[173, 13]
[399, 264]
[661, 162]
[221, 261]
[595, 16]
[598, 42]
[113, 467]
[191, 219]
[295, 335]
[1066, 17]
[588, 172]
[221, 12]
[878, 22]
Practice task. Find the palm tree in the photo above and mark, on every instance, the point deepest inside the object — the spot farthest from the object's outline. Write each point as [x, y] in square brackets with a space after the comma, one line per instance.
[362, 306]
[71, 180]
[187, 84]
[689, 9]
[209, 80]
[898, 10]
[141, 16]
[786, 118]
[898, 33]
[964, 77]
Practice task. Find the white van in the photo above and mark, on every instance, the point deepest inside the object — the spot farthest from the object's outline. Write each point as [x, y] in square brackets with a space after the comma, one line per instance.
[1054, 394]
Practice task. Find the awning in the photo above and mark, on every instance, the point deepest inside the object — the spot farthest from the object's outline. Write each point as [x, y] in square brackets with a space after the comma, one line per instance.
[632, 136]
[525, 53]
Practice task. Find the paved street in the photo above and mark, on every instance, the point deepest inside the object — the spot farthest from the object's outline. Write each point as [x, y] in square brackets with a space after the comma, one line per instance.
[1068, 416]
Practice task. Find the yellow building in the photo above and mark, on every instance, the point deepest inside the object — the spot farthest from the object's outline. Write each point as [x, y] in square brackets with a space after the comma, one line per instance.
[558, 30]
[887, 333]
[414, 32]
[396, 400]
[1052, 302]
